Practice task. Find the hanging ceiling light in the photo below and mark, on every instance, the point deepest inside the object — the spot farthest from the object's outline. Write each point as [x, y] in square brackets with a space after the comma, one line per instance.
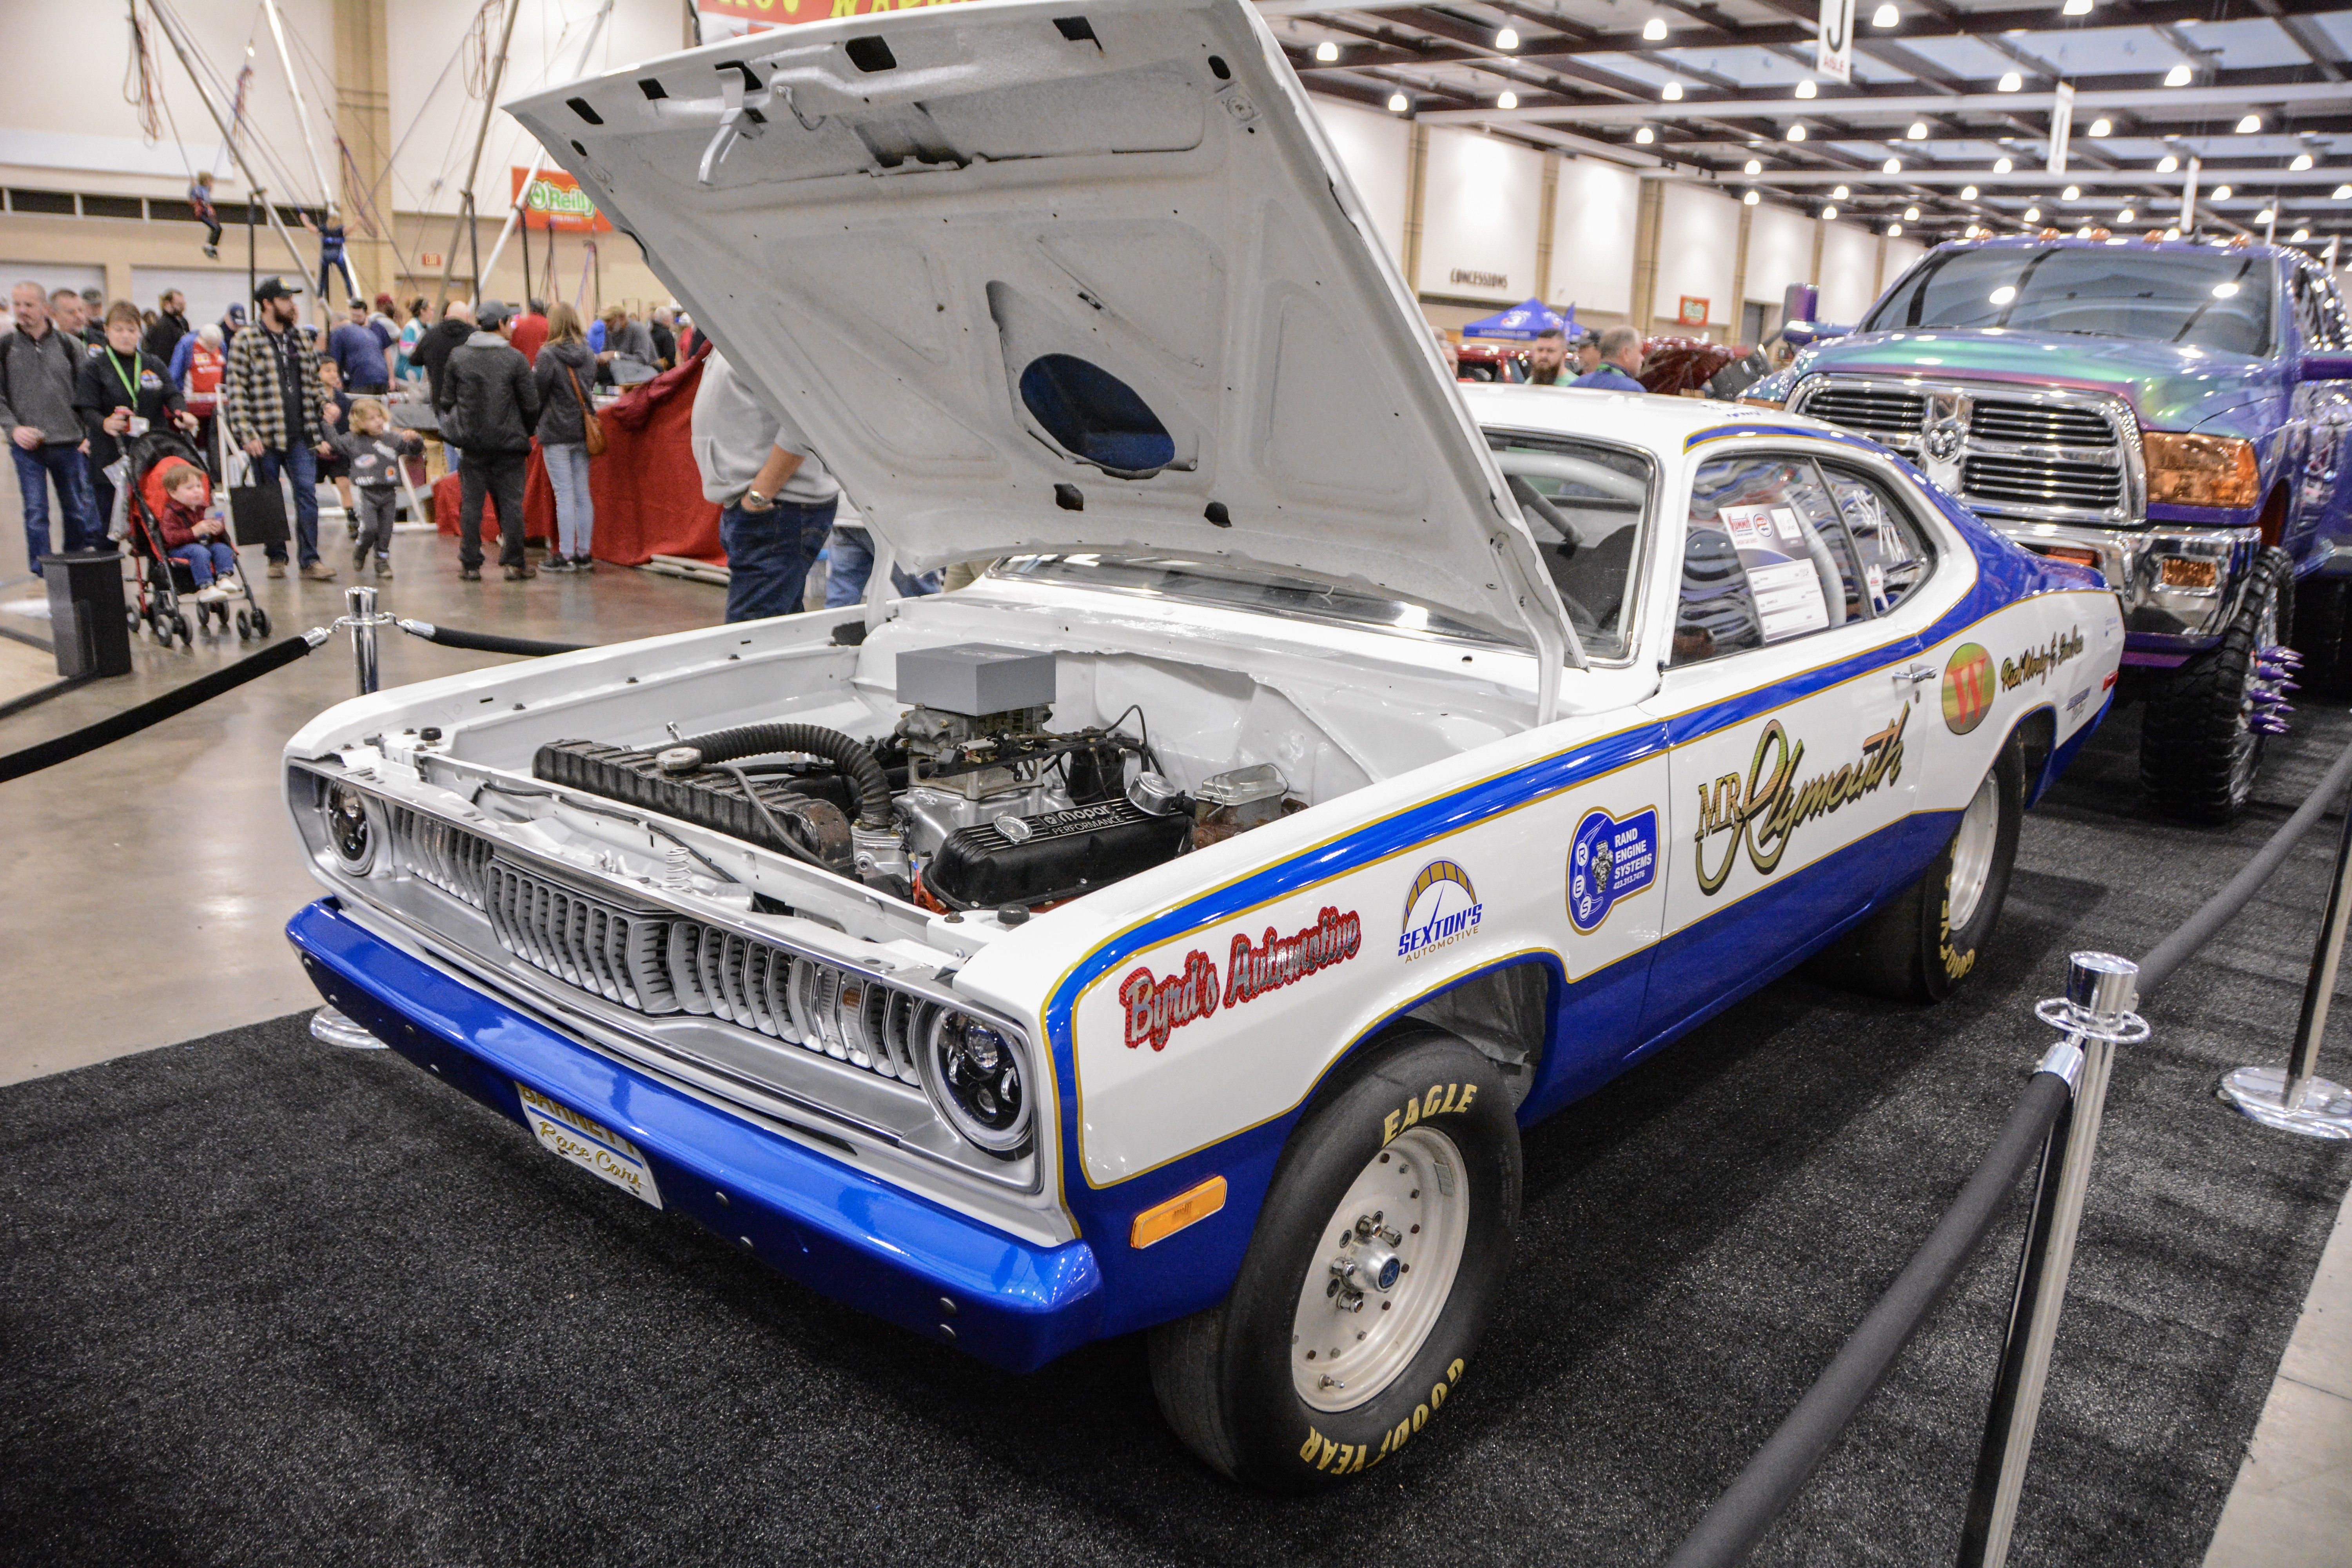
[1507, 99]
[1398, 104]
[2124, 215]
[2250, 124]
[2298, 237]
[1507, 39]
[2172, 234]
[2011, 82]
[1893, 229]
[2178, 76]
[1910, 214]
[2166, 165]
[2301, 161]
[1839, 194]
[1806, 88]
[1893, 165]
[1829, 215]
[2033, 214]
[1886, 17]
[1918, 132]
[1796, 134]
[1672, 92]
[1645, 136]
[2102, 125]
[2071, 193]
[2002, 165]
[1655, 29]
[2220, 193]
[1751, 198]
[1755, 165]
[2077, 8]
[1327, 51]
[2343, 193]
[1968, 192]
[2266, 216]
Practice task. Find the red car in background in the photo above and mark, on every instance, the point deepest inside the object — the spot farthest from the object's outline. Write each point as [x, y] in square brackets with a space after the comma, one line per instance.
[1668, 365]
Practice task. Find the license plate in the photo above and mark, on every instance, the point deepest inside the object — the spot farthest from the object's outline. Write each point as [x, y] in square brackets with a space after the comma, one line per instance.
[589, 1144]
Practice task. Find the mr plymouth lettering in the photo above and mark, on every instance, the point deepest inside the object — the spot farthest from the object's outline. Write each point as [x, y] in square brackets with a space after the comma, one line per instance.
[1773, 805]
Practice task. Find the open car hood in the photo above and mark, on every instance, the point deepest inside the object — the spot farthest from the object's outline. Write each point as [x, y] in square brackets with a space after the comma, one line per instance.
[1051, 275]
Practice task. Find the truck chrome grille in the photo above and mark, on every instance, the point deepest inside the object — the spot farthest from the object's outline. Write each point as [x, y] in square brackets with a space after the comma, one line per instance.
[2058, 455]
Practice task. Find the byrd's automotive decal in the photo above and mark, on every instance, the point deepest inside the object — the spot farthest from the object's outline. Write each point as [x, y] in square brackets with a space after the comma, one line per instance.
[1967, 688]
[1156, 1008]
[1277, 961]
[1775, 805]
[2036, 663]
[1442, 908]
[1608, 860]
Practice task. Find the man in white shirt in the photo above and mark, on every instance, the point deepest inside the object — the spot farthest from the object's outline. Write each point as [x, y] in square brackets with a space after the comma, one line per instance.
[777, 501]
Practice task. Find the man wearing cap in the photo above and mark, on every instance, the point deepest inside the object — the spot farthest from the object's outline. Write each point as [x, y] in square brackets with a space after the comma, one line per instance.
[277, 410]
[1621, 359]
[487, 402]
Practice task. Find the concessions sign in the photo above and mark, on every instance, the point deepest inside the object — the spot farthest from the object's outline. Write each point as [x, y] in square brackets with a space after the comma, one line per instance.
[733, 18]
[556, 201]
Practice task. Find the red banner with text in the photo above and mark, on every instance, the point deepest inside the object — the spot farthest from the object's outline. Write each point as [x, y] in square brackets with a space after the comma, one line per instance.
[556, 201]
[732, 18]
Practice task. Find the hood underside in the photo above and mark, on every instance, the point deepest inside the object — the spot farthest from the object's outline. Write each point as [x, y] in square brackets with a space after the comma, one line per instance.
[1053, 276]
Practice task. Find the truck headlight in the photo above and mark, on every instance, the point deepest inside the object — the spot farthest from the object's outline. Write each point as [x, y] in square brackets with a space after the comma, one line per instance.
[351, 831]
[2200, 470]
[978, 1077]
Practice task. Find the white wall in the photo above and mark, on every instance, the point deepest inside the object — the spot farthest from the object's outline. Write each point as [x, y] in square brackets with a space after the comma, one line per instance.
[1376, 150]
[1849, 271]
[1481, 201]
[1779, 252]
[51, 275]
[1592, 235]
[1698, 245]
[1901, 256]
[211, 291]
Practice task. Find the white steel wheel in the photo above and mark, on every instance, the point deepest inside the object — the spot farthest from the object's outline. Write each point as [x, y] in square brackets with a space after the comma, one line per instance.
[1381, 1281]
[1973, 849]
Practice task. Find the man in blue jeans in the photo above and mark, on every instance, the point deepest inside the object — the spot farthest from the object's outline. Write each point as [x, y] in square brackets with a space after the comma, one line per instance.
[39, 364]
[278, 410]
[777, 501]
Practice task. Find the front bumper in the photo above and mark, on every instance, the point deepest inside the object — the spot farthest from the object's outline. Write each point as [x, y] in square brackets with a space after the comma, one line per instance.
[2162, 626]
[843, 1234]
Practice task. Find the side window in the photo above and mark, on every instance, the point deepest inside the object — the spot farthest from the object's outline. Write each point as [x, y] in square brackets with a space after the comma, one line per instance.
[1779, 548]
[2310, 310]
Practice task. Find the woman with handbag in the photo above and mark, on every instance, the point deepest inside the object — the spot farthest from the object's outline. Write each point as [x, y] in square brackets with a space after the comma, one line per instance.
[570, 433]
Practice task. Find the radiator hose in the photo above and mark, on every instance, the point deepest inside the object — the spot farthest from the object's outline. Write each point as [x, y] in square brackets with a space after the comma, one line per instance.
[846, 753]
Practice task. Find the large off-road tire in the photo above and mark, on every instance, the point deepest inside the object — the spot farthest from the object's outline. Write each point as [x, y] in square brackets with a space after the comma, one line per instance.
[2322, 634]
[2198, 749]
[1374, 1264]
[1927, 940]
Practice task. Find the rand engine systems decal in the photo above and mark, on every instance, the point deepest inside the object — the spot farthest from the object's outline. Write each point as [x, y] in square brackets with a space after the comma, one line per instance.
[1967, 688]
[1608, 860]
[1255, 969]
[1442, 908]
[2038, 663]
[1774, 805]
[1157, 1009]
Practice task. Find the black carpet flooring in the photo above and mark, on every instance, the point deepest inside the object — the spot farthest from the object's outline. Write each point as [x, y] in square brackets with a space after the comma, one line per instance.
[266, 1302]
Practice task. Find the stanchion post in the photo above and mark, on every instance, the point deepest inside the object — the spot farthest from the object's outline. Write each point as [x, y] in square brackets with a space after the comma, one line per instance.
[2297, 1100]
[360, 615]
[2096, 1015]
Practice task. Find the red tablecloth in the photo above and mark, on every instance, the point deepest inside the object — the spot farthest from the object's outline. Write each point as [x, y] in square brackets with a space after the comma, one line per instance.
[649, 493]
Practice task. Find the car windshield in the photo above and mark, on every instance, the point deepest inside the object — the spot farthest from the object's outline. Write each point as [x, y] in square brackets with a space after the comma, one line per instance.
[2218, 299]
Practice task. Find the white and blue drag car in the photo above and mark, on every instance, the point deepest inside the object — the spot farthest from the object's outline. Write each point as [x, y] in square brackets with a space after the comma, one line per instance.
[1338, 771]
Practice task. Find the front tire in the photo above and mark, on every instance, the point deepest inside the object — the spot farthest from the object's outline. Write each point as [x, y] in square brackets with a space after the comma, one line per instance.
[2199, 750]
[1921, 946]
[1374, 1264]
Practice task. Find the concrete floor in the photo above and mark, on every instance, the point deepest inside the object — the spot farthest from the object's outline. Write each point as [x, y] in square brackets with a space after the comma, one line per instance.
[142, 901]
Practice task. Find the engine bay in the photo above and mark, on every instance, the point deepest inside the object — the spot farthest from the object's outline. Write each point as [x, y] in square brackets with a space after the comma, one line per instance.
[969, 801]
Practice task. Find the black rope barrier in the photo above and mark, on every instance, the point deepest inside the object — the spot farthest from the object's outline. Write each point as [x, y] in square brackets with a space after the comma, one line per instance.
[64, 748]
[485, 642]
[1729, 1530]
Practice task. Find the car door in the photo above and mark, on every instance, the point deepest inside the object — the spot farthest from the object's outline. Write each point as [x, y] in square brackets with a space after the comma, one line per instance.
[1790, 702]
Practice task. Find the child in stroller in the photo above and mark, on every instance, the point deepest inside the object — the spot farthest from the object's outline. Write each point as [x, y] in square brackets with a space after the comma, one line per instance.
[194, 537]
[180, 548]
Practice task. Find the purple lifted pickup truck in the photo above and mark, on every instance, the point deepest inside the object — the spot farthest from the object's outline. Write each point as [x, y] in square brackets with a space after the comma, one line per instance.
[2173, 414]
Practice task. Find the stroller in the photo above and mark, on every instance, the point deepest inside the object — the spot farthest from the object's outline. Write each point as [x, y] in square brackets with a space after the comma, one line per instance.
[162, 582]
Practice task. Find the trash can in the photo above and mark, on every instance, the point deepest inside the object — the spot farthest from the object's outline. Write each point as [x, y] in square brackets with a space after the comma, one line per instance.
[86, 613]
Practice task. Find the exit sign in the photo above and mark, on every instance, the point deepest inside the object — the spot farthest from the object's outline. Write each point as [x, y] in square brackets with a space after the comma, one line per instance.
[429, 259]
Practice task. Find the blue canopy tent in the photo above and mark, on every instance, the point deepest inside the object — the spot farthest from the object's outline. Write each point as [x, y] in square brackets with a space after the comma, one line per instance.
[1523, 322]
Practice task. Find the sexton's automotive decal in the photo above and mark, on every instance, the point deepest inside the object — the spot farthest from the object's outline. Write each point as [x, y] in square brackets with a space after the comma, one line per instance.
[1967, 688]
[2036, 663]
[1157, 1008]
[1775, 805]
[1608, 860]
[1442, 908]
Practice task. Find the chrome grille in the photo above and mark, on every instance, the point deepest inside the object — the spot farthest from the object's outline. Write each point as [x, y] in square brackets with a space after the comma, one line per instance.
[451, 858]
[617, 954]
[1888, 414]
[2039, 423]
[2040, 481]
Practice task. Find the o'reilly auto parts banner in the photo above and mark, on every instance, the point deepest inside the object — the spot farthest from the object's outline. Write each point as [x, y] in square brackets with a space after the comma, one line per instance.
[733, 18]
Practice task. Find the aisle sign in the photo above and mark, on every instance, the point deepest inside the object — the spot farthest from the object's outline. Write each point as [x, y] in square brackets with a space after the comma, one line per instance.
[1833, 49]
[556, 201]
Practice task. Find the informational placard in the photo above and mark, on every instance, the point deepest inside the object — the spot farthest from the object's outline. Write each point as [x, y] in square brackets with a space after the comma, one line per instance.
[1693, 311]
[1834, 51]
[1781, 575]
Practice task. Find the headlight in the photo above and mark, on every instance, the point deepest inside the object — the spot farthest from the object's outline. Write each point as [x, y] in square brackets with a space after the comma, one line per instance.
[2200, 470]
[977, 1078]
[350, 833]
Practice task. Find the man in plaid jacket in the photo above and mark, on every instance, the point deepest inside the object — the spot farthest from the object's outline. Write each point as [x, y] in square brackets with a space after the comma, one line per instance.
[278, 410]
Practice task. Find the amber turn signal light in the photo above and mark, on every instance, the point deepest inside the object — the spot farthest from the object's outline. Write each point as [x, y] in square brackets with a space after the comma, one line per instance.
[2180, 572]
[2200, 470]
[1164, 1220]
[2065, 553]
